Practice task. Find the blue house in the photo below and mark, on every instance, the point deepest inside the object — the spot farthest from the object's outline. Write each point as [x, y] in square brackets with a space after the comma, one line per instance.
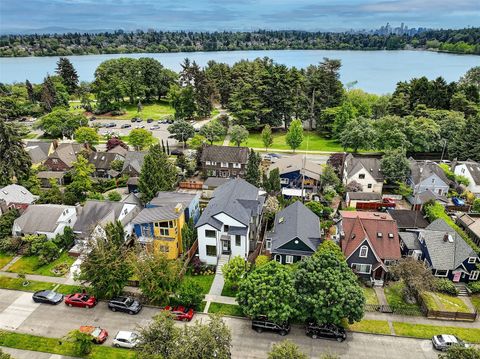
[297, 169]
[189, 201]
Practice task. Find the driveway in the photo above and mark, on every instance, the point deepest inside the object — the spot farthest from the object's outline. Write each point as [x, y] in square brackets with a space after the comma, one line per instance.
[56, 321]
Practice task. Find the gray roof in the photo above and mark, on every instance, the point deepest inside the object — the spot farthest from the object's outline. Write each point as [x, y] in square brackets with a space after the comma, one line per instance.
[298, 163]
[370, 163]
[472, 223]
[421, 170]
[237, 198]
[38, 150]
[41, 218]
[67, 152]
[408, 219]
[155, 214]
[103, 160]
[428, 195]
[296, 221]
[171, 197]
[50, 174]
[410, 239]
[364, 196]
[225, 154]
[474, 169]
[446, 248]
[134, 159]
[214, 182]
[119, 149]
[14, 193]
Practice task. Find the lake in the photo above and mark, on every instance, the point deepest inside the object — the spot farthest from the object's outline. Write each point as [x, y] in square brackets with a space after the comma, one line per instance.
[375, 71]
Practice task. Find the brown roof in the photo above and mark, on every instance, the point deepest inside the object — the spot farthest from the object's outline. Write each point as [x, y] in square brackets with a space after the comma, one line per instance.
[67, 153]
[358, 226]
[225, 154]
[118, 149]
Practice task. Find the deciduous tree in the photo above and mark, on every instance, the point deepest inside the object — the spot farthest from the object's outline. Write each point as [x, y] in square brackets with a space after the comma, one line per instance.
[87, 135]
[294, 136]
[238, 134]
[181, 131]
[286, 350]
[140, 138]
[267, 137]
[395, 166]
[235, 270]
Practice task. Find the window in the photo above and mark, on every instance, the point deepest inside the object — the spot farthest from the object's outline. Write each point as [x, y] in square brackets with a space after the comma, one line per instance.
[236, 165]
[224, 164]
[163, 225]
[164, 231]
[362, 268]
[441, 273]
[433, 180]
[361, 176]
[389, 262]
[474, 275]
[363, 252]
[472, 260]
[268, 245]
[226, 227]
[210, 233]
[369, 185]
[463, 170]
[164, 249]
[284, 180]
[289, 259]
[211, 251]
[238, 240]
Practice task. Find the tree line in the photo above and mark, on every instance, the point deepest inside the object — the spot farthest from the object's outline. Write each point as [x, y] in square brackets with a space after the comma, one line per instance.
[464, 41]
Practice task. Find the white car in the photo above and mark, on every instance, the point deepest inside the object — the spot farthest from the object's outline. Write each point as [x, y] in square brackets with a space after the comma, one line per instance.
[125, 339]
[445, 341]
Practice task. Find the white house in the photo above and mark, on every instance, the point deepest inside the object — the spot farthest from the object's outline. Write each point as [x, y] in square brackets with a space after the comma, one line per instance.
[230, 223]
[364, 170]
[48, 219]
[427, 175]
[471, 170]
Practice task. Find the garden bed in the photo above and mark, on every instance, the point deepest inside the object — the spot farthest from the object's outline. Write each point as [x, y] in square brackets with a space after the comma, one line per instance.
[226, 309]
[31, 265]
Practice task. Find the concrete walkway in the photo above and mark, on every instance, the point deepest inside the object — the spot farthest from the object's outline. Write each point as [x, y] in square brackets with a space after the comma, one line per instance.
[9, 264]
[380, 292]
[36, 277]
[29, 354]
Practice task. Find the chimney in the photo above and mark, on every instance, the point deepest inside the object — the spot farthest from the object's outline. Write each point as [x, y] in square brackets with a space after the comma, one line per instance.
[178, 208]
[55, 144]
[445, 237]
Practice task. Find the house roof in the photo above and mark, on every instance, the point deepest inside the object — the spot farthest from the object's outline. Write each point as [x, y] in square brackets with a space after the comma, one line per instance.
[408, 219]
[446, 248]
[38, 150]
[364, 196]
[474, 169]
[102, 160]
[296, 221]
[369, 163]
[214, 182]
[421, 170]
[67, 152]
[134, 159]
[41, 217]
[154, 214]
[225, 154]
[14, 193]
[298, 163]
[359, 226]
[472, 223]
[50, 174]
[172, 197]
[237, 198]
[119, 150]
[428, 195]
[410, 239]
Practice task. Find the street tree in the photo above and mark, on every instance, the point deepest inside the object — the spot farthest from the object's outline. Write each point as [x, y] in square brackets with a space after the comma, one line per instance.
[68, 74]
[87, 135]
[60, 123]
[213, 131]
[286, 350]
[235, 270]
[252, 174]
[294, 136]
[158, 174]
[269, 290]
[395, 166]
[238, 134]
[159, 339]
[14, 160]
[181, 131]
[140, 138]
[267, 137]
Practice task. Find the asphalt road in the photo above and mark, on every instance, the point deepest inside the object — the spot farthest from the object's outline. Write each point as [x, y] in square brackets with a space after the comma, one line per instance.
[56, 321]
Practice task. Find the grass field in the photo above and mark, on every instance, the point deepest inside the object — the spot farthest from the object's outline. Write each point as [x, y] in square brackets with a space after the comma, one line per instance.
[4, 259]
[30, 265]
[393, 293]
[449, 303]
[204, 281]
[155, 110]
[33, 286]
[471, 335]
[370, 296]
[228, 291]
[476, 301]
[226, 309]
[371, 326]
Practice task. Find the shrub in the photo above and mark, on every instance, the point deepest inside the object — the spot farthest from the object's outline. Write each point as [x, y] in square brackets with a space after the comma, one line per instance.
[261, 260]
[476, 205]
[189, 294]
[114, 196]
[474, 287]
[444, 285]
[10, 244]
[48, 252]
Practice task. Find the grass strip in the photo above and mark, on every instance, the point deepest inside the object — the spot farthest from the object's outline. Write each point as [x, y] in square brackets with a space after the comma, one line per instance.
[226, 309]
[370, 326]
[33, 285]
[471, 335]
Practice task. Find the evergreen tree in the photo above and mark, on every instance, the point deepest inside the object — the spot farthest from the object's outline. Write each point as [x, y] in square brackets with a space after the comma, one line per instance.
[466, 144]
[274, 181]
[253, 174]
[68, 74]
[14, 160]
[294, 136]
[30, 91]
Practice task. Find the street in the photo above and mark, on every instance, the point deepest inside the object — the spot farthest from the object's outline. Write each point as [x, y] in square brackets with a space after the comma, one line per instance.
[23, 315]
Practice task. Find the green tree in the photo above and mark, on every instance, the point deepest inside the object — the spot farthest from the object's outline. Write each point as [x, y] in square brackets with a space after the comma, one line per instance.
[158, 339]
[329, 178]
[189, 234]
[235, 270]
[53, 94]
[213, 131]
[390, 133]
[81, 341]
[475, 207]
[328, 289]
[415, 276]
[395, 166]
[4, 355]
[253, 168]
[181, 131]
[286, 350]
[189, 294]
[6, 222]
[87, 135]
[158, 174]
[294, 136]
[459, 352]
[53, 195]
[404, 189]
[197, 141]
[140, 138]
[345, 114]
[238, 134]
[60, 123]
[357, 134]
[117, 165]
[14, 160]
[68, 74]
[114, 196]
[465, 144]
[269, 290]
[183, 102]
[77, 190]
[267, 137]
[274, 184]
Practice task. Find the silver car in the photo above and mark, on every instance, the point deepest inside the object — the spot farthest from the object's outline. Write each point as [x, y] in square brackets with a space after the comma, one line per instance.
[445, 341]
[125, 339]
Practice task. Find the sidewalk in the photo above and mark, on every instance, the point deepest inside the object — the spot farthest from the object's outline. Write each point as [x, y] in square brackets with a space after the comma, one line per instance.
[28, 354]
[36, 277]
[420, 320]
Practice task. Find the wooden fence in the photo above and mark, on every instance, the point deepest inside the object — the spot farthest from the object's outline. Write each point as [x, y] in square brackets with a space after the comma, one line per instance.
[188, 257]
[191, 185]
[441, 314]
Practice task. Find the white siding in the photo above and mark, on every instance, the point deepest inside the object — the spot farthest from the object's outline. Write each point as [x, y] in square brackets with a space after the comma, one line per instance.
[462, 170]
[376, 187]
[229, 221]
[204, 241]
[432, 183]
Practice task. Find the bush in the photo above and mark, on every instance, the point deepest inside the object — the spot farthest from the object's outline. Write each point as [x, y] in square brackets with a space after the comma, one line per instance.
[189, 294]
[114, 196]
[474, 287]
[261, 260]
[65, 240]
[444, 285]
[476, 205]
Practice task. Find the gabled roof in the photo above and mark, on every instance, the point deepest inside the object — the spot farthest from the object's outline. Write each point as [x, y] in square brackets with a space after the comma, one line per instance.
[408, 219]
[428, 195]
[67, 152]
[410, 239]
[225, 154]
[359, 226]
[41, 218]
[119, 150]
[370, 163]
[38, 150]
[472, 223]
[296, 221]
[214, 182]
[364, 196]
[155, 214]
[298, 163]
[134, 159]
[172, 197]
[474, 169]
[14, 193]
[237, 198]
[103, 160]
[421, 170]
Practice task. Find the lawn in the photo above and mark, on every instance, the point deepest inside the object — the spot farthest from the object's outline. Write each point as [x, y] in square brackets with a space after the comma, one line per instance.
[476, 301]
[450, 303]
[58, 346]
[471, 335]
[393, 293]
[228, 291]
[30, 265]
[370, 296]
[33, 286]
[370, 326]
[4, 259]
[226, 309]
[204, 281]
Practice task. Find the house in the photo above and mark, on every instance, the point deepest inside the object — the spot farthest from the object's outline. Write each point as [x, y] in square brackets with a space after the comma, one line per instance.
[230, 223]
[132, 165]
[224, 161]
[427, 196]
[119, 150]
[295, 170]
[471, 170]
[410, 245]
[46, 176]
[471, 225]
[407, 219]
[63, 157]
[295, 234]
[427, 176]
[447, 253]
[39, 150]
[365, 170]
[189, 201]
[370, 243]
[94, 215]
[48, 219]
[102, 161]
[16, 196]
[352, 198]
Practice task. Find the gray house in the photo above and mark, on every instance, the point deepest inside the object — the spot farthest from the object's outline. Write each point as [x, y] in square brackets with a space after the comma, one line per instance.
[295, 234]
[427, 176]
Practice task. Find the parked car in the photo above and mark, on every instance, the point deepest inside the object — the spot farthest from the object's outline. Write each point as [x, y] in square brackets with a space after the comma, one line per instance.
[263, 324]
[126, 125]
[180, 312]
[81, 300]
[155, 127]
[111, 124]
[149, 120]
[125, 304]
[140, 126]
[458, 201]
[170, 121]
[176, 153]
[445, 341]
[93, 118]
[98, 334]
[327, 331]
[47, 297]
[125, 339]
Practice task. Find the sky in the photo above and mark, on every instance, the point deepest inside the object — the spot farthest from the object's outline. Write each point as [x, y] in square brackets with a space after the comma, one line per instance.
[212, 15]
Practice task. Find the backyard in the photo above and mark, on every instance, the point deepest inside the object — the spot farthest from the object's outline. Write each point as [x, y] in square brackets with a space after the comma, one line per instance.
[31, 265]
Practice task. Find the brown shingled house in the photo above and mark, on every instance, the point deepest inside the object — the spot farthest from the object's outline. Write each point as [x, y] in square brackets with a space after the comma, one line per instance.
[224, 161]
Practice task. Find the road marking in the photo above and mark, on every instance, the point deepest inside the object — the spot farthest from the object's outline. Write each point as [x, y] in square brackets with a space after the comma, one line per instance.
[16, 313]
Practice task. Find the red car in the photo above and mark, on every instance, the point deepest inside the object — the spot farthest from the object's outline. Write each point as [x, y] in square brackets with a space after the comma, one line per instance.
[180, 312]
[98, 334]
[81, 300]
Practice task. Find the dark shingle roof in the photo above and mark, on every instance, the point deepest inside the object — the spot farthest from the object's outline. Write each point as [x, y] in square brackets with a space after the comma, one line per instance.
[408, 219]
[225, 154]
[214, 182]
[103, 160]
[38, 150]
[364, 196]
[410, 239]
[41, 218]
[67, 153]
[420, 170]
[134, 159]
[371, 164]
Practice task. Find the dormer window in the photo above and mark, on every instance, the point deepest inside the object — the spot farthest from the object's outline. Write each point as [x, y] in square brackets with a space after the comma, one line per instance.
[472, 260]
[433, 180]
[390, 235]
[361, 176]
[363, 252]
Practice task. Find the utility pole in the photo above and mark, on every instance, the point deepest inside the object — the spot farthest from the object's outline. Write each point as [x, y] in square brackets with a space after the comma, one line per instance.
[312, 110]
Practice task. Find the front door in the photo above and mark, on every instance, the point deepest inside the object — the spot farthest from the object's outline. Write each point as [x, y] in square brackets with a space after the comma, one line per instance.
[225, 246]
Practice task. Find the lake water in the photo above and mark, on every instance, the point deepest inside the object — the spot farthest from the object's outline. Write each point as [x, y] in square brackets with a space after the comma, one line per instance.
[375, 71]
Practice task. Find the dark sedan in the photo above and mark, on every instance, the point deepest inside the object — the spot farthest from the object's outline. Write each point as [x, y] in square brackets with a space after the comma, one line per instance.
[125, 304]
[47, 297]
